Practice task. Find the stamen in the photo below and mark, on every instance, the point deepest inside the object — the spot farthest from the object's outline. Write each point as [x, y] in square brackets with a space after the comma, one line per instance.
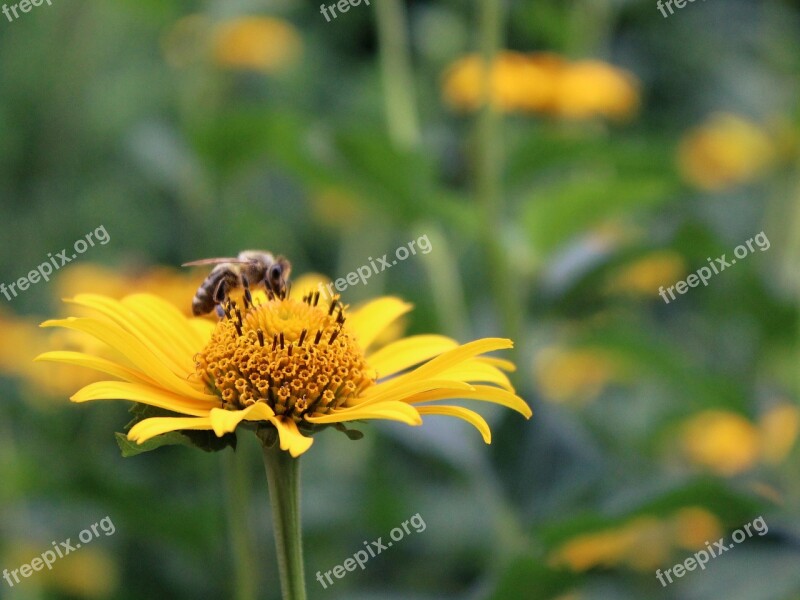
[238, 329]
[302, 337]
[260, 337]
[318, 337]
[290, 350]
[316, 298]
[333, 336]
[334, 303]
[281, 340]
[274, 342]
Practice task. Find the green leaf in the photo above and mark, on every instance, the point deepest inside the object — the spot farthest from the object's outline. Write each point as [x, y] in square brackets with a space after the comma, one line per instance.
[555, 215]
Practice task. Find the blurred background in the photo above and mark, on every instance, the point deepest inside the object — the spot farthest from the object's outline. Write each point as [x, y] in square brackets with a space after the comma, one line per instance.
[565, 159]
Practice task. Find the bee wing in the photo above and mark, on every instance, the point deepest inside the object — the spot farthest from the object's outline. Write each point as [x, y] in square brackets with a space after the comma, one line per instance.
[214, 261]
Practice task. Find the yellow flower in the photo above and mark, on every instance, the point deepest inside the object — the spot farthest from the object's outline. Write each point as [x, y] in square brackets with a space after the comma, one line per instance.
[170, 284]
[725, 151]
[644, 276]
[591, 88]
[256, 43]
[641, 544]
[295, 364]
[778, 429]
[722, 441]
[694, 526]
[566, 375]
[541, 83]
[515, 82]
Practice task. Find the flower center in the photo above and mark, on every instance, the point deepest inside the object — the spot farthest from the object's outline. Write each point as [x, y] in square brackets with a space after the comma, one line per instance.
[294, 355]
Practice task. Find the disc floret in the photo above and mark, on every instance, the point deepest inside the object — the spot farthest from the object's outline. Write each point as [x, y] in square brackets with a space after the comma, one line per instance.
[296, 356]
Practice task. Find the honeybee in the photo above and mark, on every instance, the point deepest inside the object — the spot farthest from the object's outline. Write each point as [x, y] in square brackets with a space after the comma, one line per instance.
[251, 268]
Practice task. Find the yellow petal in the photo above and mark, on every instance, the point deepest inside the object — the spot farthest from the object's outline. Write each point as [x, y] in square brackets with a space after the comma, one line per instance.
[134, 350]
[150, 428]
[462, 413]
[474, 370]
[369, 321]
[500, 363]
[290, 437]
[224, 421]
[163, 342]
[393, 411]
[98, 364]
[453, 357]
[168, 319]
[154, 396]
[408, 352]
[388, 391]
[483, 393]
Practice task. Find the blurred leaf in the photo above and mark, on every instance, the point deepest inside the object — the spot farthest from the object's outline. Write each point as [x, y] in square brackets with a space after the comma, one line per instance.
[554, 216]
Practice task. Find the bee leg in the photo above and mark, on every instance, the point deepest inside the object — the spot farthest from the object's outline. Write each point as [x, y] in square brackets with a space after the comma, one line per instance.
[248, 297]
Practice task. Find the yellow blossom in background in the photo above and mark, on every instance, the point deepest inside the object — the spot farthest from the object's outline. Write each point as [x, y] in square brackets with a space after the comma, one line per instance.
[565, 375]
[175, 286]
[642, 544]
[542, 83]
[722, 441]
[89, 572]
[778, 429]
[644, 276]
[592, 88]
[693, 526]
[256, 43]
[725, 151]
[728, 443]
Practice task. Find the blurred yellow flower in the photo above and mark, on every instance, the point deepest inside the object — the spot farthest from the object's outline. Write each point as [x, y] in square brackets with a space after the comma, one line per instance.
[177, 287]
[725, 151]
[644, 276]
[694, 526]
[565, 375]
[541, 83]
[778, 429]
[89, 573]
[592, 88]
[258, 43]
[642, 544]
[338, 207]
[722, 441]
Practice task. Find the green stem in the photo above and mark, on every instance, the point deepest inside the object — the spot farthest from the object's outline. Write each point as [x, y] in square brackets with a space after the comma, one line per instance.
[237, 495]
[398, 80]
[283, 476]
[489, 174]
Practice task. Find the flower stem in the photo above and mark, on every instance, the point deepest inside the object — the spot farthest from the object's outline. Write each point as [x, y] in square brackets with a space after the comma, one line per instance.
[283, 476]
[489, 174]
[398, 79]
[237, 496]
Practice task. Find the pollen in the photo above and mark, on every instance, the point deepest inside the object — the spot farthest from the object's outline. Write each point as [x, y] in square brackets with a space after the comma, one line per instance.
[296, 356]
